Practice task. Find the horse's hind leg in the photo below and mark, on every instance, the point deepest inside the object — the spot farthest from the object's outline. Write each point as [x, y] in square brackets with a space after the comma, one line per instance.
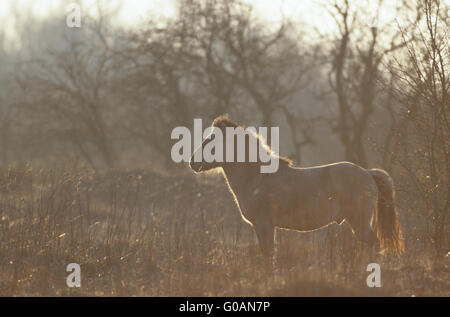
[367, 235]
[360, 219]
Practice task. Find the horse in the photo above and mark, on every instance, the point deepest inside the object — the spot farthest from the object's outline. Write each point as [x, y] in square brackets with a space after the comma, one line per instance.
[309, 198]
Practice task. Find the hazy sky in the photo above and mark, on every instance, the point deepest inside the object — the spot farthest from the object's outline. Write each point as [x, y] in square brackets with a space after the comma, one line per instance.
[133, 11]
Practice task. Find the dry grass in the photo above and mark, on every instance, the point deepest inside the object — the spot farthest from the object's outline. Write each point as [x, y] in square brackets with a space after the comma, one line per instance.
[140, 234]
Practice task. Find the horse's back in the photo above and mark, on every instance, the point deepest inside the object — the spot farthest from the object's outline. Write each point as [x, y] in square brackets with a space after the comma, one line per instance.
[342, 170]
[346, 179]
[336, 186]
[306, 198]
[309, 198]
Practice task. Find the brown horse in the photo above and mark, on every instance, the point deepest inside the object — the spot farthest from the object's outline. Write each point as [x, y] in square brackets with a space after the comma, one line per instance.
[306, 199]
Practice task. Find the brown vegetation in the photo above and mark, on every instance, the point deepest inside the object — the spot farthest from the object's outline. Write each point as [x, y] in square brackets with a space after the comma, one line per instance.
[131, 241]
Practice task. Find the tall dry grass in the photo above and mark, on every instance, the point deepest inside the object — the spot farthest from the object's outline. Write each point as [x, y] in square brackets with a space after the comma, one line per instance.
[142, 234]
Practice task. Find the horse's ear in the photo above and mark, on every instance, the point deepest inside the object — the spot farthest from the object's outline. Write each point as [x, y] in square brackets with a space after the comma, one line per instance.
[223, 121]
[220, 119]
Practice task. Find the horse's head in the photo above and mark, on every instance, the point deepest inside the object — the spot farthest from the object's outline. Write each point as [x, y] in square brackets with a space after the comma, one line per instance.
[207, 164]
[202, 165]
[227, 144]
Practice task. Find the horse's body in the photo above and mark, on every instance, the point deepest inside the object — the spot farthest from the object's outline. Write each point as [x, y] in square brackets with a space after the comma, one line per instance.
[329, 191]
[306, 199]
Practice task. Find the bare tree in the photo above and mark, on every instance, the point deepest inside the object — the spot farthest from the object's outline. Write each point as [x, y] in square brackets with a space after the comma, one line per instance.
[213, 58]
[67, 89]
[356, 61]
[422, 92]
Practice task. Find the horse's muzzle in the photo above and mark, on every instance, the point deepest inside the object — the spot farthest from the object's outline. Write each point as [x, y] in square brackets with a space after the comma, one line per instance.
[195, 166]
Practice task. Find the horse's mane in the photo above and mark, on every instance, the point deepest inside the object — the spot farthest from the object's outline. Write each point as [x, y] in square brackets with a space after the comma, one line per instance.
[225, 121]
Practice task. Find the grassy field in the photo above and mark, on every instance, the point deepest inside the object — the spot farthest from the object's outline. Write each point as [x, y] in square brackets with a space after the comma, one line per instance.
[142, 234]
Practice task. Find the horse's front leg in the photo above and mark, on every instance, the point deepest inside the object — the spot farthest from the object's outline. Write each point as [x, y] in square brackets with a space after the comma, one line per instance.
[265, 232]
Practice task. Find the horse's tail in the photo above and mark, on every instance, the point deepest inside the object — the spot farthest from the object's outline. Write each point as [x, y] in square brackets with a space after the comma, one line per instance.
[388, 228]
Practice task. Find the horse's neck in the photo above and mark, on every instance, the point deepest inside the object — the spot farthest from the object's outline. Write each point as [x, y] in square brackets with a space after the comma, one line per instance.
[240, 177]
